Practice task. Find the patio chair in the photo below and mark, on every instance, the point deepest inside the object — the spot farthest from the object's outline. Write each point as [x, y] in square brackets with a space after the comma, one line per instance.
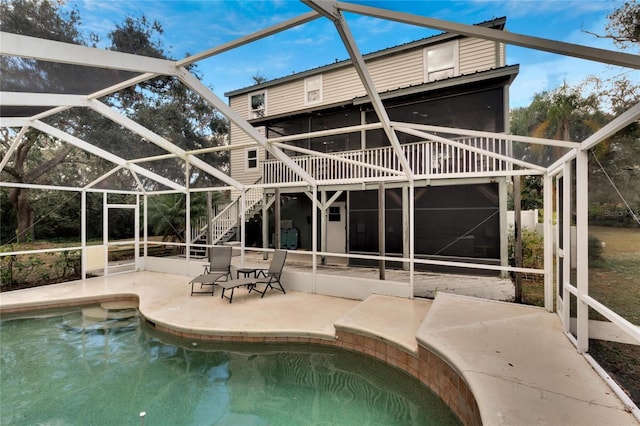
[267, 277]
[218, 270]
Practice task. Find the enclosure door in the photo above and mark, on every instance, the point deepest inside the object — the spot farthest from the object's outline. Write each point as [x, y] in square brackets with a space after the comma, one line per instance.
[565, 249]
[122, 251]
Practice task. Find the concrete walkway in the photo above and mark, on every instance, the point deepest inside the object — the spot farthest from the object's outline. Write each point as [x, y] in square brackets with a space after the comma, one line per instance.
[515, 359]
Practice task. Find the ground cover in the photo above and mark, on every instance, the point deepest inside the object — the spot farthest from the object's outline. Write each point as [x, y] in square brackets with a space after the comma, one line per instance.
[614, 280]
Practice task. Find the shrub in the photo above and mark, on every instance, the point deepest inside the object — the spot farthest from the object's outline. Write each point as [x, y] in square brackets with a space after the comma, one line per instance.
[595, 249]
[532, 250]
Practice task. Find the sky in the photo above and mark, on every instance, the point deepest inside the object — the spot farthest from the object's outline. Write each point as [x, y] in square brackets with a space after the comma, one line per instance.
[192, 26]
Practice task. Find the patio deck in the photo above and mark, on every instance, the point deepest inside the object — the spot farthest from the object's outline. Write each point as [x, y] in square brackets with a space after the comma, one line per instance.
[515, 359]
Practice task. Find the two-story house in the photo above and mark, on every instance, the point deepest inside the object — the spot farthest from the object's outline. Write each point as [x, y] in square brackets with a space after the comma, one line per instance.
[457, 192]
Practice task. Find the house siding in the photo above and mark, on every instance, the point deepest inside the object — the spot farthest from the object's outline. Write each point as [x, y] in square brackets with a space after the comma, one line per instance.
[237, 157]
[388, 73]
[476, 55]
[286, 97]
[400, 70]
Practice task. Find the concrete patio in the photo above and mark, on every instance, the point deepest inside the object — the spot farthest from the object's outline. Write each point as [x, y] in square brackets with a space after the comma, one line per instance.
[514, 359]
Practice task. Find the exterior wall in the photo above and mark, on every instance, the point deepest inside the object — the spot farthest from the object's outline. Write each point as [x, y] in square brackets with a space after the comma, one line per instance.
[237, 157]
[477, 55]
[388, 73]
[400, 69]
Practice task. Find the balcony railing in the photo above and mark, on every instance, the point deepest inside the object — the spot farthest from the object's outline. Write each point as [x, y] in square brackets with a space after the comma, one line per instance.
[426, 159]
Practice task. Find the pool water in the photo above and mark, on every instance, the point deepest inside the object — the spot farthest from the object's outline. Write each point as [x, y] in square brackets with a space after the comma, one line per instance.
[74, 369]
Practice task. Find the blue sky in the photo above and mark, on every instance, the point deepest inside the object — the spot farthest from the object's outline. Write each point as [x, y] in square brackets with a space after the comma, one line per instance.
[193, 26]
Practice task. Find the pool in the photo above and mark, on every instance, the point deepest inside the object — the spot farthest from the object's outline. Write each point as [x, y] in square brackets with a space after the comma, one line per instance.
[87, 367]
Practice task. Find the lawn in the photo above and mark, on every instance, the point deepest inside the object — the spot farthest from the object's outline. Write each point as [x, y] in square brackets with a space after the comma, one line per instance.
[615, 282]
[615, 279]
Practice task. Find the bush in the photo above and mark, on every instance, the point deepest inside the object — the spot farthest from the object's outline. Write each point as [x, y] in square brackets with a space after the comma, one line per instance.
[595, 249]
[532, 250]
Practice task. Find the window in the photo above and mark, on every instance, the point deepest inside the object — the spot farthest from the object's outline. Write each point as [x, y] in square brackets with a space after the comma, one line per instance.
[441, 61]
[313, 90]
[252, 158]
[257, 105]
[334, 214]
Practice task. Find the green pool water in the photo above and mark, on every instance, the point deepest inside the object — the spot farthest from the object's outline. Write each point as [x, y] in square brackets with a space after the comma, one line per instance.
[67, 369]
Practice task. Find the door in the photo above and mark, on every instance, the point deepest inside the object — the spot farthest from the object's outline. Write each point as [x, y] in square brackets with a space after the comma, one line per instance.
[337, 228]
[121, 233]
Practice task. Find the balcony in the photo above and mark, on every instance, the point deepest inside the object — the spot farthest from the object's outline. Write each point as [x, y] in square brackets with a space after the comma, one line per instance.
[427, 159]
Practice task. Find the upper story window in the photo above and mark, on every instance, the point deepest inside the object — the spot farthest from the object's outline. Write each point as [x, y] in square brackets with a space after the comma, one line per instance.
[252, 158]
[257, 105]
[441, 61]
[313, 90]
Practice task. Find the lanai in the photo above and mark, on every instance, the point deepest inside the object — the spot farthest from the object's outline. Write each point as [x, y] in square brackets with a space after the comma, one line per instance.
[24, 107]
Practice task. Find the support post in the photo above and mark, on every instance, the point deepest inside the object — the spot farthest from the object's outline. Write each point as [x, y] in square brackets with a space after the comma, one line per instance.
[276, 208]
[209, 218]
[412, 237]
[548, 238]
[504, 227]
[567, 247]
[265, 225]
[105, 233]
[381, 229]
[406, 228]
[83, 233]
[517, 200]
[324, 223]
[582, 247]
[187, 223]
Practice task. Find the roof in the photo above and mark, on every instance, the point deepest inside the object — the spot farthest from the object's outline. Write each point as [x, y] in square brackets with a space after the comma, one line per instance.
[496, 23]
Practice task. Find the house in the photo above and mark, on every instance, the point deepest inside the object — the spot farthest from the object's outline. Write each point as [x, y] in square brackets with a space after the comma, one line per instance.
[460, 196]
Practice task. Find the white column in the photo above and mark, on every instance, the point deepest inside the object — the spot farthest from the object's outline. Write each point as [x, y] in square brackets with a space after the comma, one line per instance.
[504, 227]
[549, 241]
[83, 233]
[582, 247]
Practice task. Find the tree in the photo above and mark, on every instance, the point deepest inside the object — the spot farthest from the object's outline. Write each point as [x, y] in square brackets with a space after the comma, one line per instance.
[562, 114]
[624, 25]
[162, 104]
[38, 19]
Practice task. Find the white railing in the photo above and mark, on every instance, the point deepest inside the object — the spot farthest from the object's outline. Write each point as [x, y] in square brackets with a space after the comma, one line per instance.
[226, 216]
[426, 159]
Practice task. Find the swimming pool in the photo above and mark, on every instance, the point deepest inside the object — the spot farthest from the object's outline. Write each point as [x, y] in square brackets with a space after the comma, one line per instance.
[70, 368]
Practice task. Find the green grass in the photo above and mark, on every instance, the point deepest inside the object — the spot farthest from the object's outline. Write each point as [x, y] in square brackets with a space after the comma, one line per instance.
[615, 279]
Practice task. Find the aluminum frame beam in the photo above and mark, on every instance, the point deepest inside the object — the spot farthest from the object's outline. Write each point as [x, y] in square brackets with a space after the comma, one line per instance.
[329, 8]
[67, 53]
[291, 23]
[14, 145]
[99, 152]
[196, 85]
[158, 140]
[537, 43]
[42, 99]
[481, 151]
[619, 123]
[480, 133]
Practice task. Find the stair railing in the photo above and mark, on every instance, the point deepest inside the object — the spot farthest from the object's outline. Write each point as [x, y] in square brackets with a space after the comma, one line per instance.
[229, 216]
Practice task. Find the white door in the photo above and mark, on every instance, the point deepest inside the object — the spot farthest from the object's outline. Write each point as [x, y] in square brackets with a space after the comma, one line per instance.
[337, 228]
